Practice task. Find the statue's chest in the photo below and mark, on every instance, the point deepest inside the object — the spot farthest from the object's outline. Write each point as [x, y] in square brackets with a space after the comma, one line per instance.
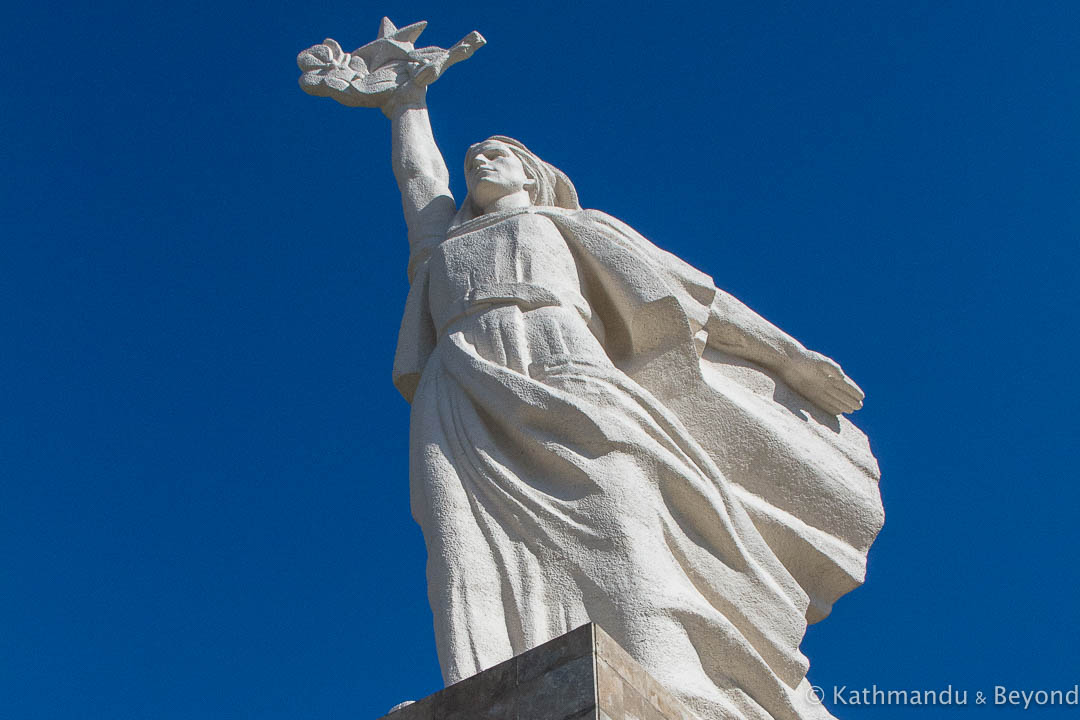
[522, 249]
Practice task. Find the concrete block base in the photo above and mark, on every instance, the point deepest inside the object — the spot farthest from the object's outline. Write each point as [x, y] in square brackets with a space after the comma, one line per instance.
[582, 675]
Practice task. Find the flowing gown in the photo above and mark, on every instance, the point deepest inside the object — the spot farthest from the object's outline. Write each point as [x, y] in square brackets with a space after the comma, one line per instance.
[553, 363]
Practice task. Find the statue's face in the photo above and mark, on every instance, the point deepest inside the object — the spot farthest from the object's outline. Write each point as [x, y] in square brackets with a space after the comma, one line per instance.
[493, 171]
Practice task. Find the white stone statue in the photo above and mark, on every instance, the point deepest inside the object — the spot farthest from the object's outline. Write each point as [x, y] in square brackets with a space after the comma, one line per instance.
[600, 434]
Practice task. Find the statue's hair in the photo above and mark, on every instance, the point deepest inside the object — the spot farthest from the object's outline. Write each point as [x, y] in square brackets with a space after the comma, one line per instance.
[551, 187]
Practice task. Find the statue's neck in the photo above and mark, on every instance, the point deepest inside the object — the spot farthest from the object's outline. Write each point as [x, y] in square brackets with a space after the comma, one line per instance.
[520, 199]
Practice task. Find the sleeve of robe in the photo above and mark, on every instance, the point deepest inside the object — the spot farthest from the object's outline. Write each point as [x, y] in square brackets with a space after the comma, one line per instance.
[416, 337]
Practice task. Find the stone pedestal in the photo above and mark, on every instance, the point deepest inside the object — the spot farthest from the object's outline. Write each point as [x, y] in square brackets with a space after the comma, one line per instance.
[582, 675]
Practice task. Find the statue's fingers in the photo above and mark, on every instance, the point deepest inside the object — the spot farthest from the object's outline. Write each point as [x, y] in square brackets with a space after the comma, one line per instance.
[829, 404]
[837, 377]
[855, 389]
[848, 390]
[846, 403]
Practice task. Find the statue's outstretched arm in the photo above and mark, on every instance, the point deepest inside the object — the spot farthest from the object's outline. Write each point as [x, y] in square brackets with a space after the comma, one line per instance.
[738, 330]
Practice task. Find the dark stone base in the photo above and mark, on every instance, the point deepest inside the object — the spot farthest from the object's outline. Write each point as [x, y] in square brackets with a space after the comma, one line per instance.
[583, 675]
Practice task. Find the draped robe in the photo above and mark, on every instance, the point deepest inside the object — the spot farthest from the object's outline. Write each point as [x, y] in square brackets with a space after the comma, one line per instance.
[579, 453]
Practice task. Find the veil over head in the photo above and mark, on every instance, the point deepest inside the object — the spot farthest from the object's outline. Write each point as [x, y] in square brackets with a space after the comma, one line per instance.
[552, 187]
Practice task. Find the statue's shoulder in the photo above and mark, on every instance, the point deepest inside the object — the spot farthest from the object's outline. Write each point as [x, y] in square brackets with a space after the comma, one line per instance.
[611, 241]
[582, 219]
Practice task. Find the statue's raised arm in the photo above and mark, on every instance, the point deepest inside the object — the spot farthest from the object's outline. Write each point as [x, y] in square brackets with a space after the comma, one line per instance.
[390, 73]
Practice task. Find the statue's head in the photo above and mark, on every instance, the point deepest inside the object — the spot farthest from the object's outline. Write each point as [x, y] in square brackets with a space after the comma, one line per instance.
[493, 170]
[501, 167]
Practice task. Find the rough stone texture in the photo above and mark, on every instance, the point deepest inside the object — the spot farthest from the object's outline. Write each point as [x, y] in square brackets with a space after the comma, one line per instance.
[600, 434]
[582, 675]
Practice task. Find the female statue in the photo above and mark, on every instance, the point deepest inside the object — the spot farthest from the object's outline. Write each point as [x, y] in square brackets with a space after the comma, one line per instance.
[599, 434]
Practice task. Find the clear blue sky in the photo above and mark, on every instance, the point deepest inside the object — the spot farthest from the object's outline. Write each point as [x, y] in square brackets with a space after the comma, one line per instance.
[203, 477]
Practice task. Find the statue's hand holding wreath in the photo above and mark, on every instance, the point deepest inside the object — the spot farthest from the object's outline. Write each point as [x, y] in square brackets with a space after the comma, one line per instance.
[387, 72]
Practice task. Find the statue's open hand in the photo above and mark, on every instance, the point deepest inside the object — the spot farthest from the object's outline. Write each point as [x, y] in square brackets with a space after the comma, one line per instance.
[823, 382]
